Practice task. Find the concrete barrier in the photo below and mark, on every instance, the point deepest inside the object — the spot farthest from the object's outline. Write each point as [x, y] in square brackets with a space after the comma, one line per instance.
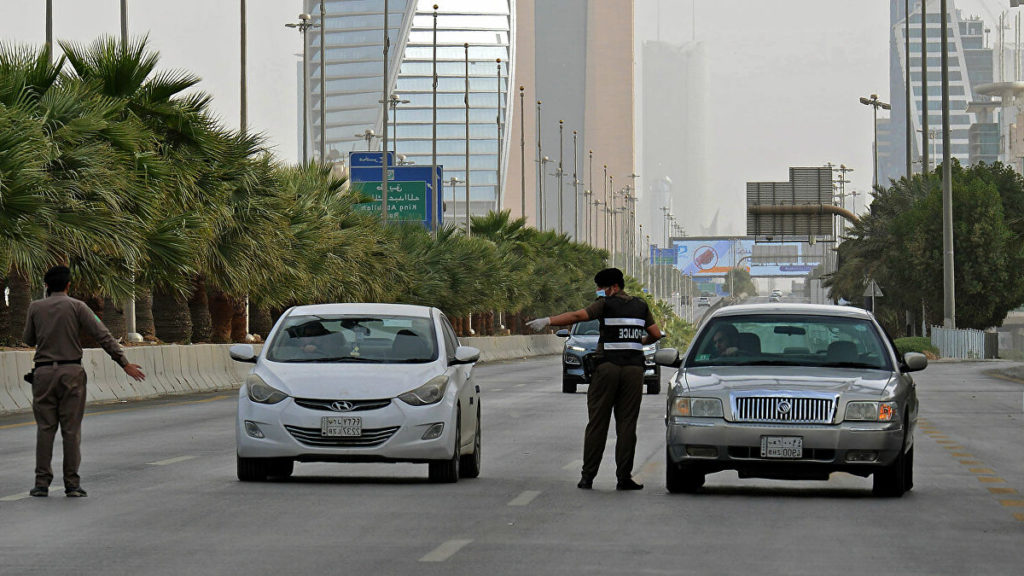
[174, 369]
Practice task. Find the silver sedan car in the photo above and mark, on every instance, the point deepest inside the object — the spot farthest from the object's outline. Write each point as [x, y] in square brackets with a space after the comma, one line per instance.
[791, 391]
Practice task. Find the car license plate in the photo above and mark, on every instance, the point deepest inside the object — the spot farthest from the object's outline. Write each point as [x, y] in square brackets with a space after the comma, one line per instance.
[341, 426]
[791, 447]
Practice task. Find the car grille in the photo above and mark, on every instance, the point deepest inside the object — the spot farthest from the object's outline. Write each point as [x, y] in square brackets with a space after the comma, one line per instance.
[357, 405]
[370, 437]
[796, 410]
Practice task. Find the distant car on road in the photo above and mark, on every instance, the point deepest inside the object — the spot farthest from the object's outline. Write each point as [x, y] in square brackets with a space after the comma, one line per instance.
[703, 301]
[775, 298]
[580, 345]
[359, 383]
[797, 392]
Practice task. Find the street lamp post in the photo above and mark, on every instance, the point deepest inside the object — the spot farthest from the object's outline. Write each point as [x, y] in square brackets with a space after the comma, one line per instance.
[522, 150]
[543, 173]
[455, 182]
[575, 190]
[304, 24]
[561, 171]
[875, 104]
[384, 126]
[468, 231]
[436, 191]
[497, 120]
[368, 135]
[540, 174]
[323, 85]
[394, 100]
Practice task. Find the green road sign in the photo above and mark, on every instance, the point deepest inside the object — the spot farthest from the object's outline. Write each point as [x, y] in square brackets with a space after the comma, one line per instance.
[406, 200]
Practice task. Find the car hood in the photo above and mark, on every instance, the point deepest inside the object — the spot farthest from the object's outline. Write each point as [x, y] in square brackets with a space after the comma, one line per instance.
[725, 379]
[347, 381]
[588, 342]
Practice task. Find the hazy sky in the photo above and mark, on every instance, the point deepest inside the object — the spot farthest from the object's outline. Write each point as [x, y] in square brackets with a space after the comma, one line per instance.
[784, 75]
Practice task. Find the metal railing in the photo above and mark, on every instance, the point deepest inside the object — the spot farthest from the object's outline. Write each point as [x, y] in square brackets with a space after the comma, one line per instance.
[964, 344]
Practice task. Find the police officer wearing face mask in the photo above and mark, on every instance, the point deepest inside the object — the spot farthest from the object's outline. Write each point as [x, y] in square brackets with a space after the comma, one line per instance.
[618, 377]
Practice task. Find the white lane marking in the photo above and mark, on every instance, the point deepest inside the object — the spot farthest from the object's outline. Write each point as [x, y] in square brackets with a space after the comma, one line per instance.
[574, 465]
[519, 385]
[496, 390]
[525, 498]
[445, 551]
[171, 461]
[15, 497]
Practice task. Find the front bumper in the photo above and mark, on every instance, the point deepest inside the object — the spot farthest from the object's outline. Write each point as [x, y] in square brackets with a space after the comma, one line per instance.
[396, 431]
[713, 444]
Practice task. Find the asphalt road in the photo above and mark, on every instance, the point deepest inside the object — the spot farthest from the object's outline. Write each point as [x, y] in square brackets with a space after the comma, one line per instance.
[163, 499]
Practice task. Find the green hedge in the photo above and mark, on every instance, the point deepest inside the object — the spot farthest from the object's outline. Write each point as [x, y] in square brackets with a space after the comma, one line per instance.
[916, 344]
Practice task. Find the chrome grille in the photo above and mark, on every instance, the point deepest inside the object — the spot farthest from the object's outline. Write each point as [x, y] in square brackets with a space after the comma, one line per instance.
[790, 409]
[370, 437]
[357, 405]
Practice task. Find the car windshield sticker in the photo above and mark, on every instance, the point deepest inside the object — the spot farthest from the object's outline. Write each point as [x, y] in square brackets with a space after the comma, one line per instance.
[702, 357]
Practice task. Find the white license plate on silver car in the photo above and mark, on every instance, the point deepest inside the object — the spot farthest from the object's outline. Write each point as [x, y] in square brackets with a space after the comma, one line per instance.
[789, 447]
[333, 426]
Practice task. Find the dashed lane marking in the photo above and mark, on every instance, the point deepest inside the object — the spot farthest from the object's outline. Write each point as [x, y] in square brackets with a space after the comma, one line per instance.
[1012, 502]
[525, 498]
[171, 461]
[991, 479]
[1002, 490]
[445, 551]
[54, 490]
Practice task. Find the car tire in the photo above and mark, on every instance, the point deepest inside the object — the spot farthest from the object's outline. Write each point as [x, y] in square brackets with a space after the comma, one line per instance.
[680, 479]
[281, 468]
[447, 471]
[568, 386]
[252, 469]
[470, 465]
[895, 479]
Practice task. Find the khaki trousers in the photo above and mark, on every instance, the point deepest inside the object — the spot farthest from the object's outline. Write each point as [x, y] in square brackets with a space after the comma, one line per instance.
[617, 389]
[58, 399]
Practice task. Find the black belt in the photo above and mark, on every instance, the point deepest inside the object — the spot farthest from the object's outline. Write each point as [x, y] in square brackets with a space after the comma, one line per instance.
[58, 363]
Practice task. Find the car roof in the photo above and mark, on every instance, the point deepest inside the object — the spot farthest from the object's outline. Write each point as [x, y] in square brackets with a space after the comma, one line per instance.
[795, 309]
[368, 308]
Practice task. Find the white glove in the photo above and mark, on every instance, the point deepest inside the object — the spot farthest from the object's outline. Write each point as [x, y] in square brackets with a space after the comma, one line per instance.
[539, 324]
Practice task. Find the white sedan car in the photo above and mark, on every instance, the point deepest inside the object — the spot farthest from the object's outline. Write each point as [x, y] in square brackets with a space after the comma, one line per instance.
[359, 383]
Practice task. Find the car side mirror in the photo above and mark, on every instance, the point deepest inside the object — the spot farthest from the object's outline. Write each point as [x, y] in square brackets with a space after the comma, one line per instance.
[564, 333]
[466, 355]
[667, 357]
[243, 353]
[915, 361]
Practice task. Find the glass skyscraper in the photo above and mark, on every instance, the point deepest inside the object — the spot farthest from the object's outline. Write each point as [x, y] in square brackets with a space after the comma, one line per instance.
[355, 85]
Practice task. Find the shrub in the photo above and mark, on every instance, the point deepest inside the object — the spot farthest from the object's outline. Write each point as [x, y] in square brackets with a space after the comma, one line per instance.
[916, 344]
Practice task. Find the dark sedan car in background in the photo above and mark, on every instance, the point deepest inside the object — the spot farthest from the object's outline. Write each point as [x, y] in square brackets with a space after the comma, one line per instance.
[580, 345]
[791, 391]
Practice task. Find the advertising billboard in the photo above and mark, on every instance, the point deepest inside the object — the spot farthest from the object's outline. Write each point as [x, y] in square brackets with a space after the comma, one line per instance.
[715, 256]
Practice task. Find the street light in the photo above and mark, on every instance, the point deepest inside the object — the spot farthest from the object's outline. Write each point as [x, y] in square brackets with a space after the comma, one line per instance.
[394, 101]
[543, 173]
[875, 103]
[303, 25]
[455, 181]
[368, 135]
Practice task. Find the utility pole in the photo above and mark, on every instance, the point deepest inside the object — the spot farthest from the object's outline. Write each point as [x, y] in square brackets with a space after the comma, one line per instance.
[948, 280]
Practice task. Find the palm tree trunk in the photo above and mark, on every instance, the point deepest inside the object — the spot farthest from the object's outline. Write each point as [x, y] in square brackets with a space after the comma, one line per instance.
[221, 313]
[144, 313]
[113, 317]
[20, 298]
[238, 332]
[171, 317]
[260, 321]
[199, 307]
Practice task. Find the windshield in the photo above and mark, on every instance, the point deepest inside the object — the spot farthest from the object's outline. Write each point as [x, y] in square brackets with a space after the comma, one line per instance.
[369, 339]
[789, 340]
[588, 328]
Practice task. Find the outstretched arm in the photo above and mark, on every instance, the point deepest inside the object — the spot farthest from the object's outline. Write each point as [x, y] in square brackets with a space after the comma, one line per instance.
[563, 319]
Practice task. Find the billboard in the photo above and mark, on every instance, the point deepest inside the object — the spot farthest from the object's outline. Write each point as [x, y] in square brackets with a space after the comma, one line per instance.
[715, 256]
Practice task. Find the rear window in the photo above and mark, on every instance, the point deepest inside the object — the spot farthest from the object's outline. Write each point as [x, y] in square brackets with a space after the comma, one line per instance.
[790, 340]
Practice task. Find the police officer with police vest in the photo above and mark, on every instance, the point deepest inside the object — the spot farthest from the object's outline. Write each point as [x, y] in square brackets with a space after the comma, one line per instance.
[58, 380]
[618, 377]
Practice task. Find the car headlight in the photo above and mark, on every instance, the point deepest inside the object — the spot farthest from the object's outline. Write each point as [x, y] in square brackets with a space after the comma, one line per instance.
[429, 393]
[261, 392]
[697, 407]
[871, 411]
[577, 348]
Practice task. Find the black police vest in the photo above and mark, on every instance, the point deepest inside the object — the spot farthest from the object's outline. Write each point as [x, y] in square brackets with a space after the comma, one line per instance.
[622, 330]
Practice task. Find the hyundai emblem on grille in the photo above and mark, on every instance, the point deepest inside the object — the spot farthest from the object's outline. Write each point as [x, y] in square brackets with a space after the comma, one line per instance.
[342, 406]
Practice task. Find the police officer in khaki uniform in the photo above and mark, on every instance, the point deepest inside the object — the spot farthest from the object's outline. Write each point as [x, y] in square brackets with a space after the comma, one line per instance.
[58, 382]
[618, 378]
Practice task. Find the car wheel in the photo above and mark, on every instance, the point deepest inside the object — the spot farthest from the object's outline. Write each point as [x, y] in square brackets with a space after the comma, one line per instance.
[892, 481]
[470, 465]
[679, 479]
[252, 469]
[568, 386]
[447, 471]
[281, 468]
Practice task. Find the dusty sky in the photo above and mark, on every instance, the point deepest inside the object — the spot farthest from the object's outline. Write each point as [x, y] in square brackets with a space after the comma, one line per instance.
[784, 75]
